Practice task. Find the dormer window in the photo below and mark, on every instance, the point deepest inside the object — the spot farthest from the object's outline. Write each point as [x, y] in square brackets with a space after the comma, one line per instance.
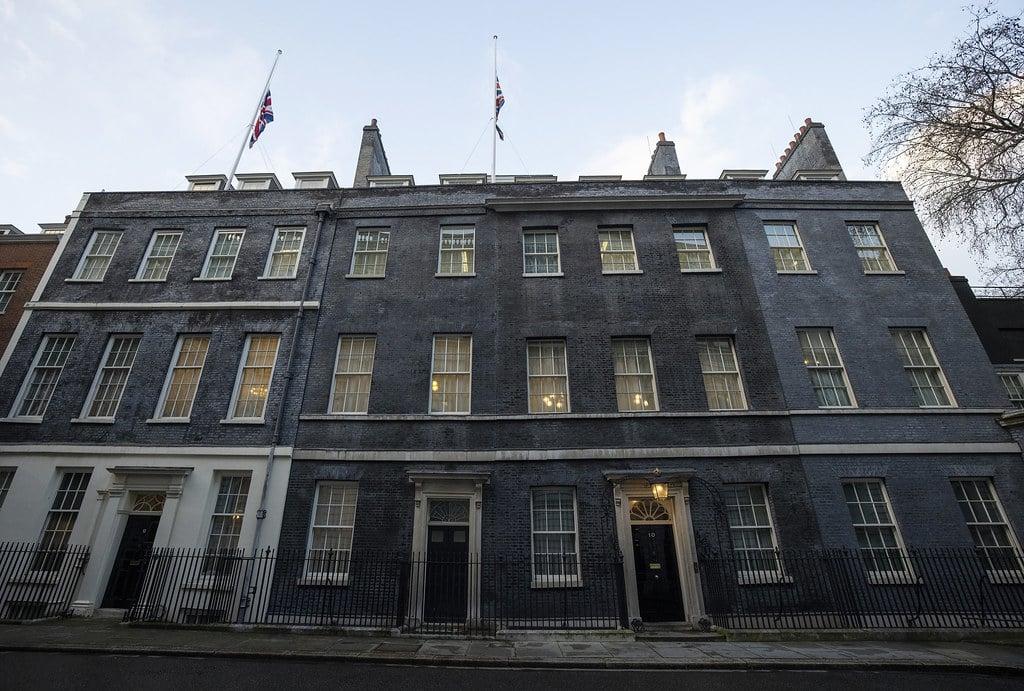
[257, 181]
[462, 178]
[390, 181]
[206, 183]
[316, 180]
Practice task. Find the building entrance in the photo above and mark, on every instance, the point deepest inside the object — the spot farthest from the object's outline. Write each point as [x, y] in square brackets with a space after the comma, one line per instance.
[130, 562]
[657, 573]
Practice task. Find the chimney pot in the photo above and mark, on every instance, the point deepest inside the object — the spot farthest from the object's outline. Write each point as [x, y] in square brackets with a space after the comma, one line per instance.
[807, 121]
[792, 144]
[661, 136]
[797, 136]
[787, 151]
[778, 165]
[373, 122]
[803, 128]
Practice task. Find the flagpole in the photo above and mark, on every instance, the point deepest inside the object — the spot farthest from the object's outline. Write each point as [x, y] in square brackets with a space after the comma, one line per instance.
[494, 95]
[252, 122]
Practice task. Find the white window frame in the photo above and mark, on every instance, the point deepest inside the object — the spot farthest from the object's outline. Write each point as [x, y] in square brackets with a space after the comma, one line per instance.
[742, 514]
[211, 257]
[546, 254]
[821, 357]
[155, 267]
[983, 513]
[686, 250]
[353, 384]
[547, 376]
[616, 257]
[789, 256]
[922, 361]
[446, 258]
[227, 519]
[61, 519]
[567, 571]
[9, 280]
[181, 385]
[1013, 382]
[284, 259]
[884, 527]
[368, 259]
[636, 390]
[247, 369]
[35, 379]
[451, 373]
[99, 252]
[728, 371]
[111, 377]
[6, 480]
[340, 532]
[875, 257]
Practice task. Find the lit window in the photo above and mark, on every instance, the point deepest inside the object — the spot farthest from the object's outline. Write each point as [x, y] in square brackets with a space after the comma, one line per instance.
[721, 374]
[331, 530]
[159, 256]
[6, 478]
[1014, 385]
[693, 249]
[828, 377]
[555, 551]
[257, 371]
[996, 546]
[352, 373]
[923, 371]
[370, 257]
[9, 281]
[42, 379]
[112, 377]
[220, 262]
[874, 255]
[540, 252]
[877, 536]
[98, 254]
[458, 251]
[617, 251]
[753, 536]
[183, 380]
[787, 251]
[60, 521]
[226, 521]
[283, 261]
[547, 377]
[451, 374]
[634, 374]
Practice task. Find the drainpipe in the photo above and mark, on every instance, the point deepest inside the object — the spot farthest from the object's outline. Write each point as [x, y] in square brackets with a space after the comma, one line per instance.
[323, 210]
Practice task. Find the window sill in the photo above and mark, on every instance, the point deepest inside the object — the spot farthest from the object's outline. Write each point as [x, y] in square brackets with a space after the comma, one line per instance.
[211, 581]
[837, 407]
[885, 273]
[24, 419]
[807, 272]
[471, 274]
[366, 275]
[622, 273]
[147, 280]
[933, 407]
[539, 275]
[92, 420]
[763, 578]
[83, 280]
[325, 581]
[275, 278]
[458, 414]
[555, 582]
[346, 414]
[204, 279]
[243, 421]
[167, 421]
[713, 270]
[892, 578]
[38, 577]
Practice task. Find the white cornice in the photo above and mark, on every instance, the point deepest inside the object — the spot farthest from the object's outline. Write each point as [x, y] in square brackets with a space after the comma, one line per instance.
[172, 306]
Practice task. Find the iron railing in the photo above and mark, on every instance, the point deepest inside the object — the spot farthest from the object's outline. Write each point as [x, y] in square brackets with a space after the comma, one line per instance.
[452, 594]
[836, 589]
[38, 582]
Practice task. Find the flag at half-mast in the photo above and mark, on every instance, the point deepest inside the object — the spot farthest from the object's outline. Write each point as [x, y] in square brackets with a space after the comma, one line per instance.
[266, 116]
[499, 101]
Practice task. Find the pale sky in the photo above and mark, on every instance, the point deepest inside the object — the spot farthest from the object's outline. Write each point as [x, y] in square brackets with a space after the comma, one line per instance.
[124, 95]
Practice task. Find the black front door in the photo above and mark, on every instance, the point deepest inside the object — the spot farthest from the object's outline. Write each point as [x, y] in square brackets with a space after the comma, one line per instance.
[130, 563]
[444, 596]
[657, 578]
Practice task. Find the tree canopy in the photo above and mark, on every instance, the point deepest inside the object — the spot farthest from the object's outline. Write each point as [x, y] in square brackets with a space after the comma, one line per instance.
[953, 133]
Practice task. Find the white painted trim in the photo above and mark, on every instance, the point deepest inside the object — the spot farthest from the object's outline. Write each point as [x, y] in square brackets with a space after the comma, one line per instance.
[181, 306]
[259, 452]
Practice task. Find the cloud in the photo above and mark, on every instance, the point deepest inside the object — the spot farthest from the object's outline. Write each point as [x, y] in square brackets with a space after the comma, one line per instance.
[13, 169]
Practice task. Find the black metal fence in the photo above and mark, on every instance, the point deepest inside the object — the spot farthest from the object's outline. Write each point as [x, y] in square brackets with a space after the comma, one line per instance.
[836, 589]
[36, 582]
[455, 594]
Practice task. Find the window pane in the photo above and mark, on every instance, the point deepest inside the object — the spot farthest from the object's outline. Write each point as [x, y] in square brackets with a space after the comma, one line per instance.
[458, 251]
[987, 524]
[540, 253]
[352, 374]
[692, 249]
[284, 258]
[42, 380]
[370, 256]
[634, 374]
[825, 367]
[254, 379]
[451, 374]
[923, 371]
[787, 251]
[98, 254]
[874, 527]
[547, 379]
[113, 376]
[9, 281]
[331, 530]
[223, 253]
[871, 249]
[555, 555]
[617, 252]
[721, 374]
[158, 259]
[184, 376]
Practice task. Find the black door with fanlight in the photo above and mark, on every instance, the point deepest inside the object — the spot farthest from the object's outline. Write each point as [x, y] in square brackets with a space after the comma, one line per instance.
[657, 575]
[445, 589]
[130, 562]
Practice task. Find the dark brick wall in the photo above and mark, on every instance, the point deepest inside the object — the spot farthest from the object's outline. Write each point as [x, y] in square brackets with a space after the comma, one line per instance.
[30, 255]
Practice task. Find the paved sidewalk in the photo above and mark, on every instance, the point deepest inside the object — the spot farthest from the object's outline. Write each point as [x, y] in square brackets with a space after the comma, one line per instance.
[110, 636]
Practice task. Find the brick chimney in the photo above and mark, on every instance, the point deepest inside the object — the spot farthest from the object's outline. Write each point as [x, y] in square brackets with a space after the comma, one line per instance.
[664, 161]
[372, 159]
[809, 156]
